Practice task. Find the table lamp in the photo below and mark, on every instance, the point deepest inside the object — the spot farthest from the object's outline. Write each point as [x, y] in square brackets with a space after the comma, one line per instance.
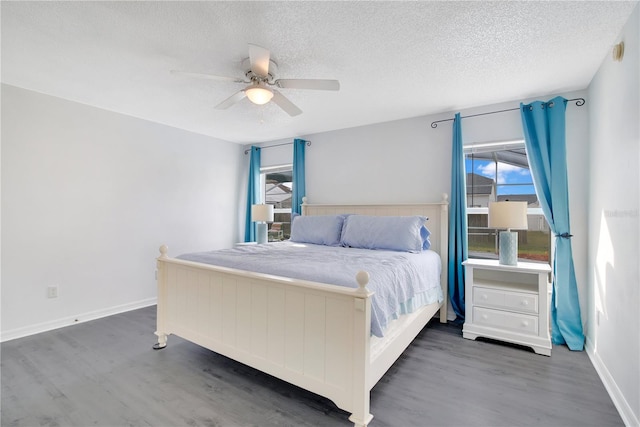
[509, 215]
[261, 214]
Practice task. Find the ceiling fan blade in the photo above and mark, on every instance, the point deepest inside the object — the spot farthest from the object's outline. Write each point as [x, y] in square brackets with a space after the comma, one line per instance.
[259, 58]
[315, 84]
[288, 106]
[207, 76]
[231, 100]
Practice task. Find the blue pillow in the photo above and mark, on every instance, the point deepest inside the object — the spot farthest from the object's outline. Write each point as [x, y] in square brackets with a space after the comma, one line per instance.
[424, 234]
[396, 233]
[319, 230]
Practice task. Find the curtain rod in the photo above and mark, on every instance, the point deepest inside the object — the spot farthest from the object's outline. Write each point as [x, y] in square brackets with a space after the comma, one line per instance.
[579, 102]
[308, 143]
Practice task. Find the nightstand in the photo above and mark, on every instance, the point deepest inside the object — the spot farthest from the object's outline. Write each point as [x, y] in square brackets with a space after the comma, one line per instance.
[508, 303]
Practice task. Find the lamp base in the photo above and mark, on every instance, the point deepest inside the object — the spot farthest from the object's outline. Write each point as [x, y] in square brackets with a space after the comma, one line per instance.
[261, 232]
[508, 248]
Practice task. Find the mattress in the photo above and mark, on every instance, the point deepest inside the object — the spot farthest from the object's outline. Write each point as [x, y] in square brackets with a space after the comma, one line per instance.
[402, 281]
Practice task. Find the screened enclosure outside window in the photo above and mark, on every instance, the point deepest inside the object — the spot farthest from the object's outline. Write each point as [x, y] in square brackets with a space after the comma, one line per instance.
[500, 172]
[277, 185]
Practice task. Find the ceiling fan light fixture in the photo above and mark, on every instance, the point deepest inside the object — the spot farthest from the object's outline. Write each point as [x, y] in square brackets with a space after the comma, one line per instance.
[259, 94]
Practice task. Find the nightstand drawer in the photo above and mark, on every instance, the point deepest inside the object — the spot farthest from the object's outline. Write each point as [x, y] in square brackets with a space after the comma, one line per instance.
[495, 298]
[505, 320]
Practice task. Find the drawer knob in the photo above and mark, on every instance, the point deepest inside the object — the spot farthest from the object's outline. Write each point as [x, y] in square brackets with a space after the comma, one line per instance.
[525, 323]
[525, 302]
[485, 297]
[485, 317]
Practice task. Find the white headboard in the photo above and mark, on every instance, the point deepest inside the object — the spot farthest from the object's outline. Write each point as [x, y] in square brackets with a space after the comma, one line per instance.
[438, 214]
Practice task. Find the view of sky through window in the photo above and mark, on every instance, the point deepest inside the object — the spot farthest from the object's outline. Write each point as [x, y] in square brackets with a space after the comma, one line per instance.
[511, 179]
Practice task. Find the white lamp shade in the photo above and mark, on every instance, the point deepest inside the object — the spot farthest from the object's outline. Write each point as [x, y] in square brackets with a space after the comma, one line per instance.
[258, 94]
[508, 215]
[262, 213]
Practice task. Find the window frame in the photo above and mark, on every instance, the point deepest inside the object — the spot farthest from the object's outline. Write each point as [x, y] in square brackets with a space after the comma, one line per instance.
[493, 147]
[264, 170]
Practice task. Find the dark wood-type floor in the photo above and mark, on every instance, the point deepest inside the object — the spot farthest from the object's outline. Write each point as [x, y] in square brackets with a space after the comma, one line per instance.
[104, 373]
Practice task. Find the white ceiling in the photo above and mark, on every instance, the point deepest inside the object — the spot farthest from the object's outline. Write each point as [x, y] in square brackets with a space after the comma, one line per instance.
[393, 59]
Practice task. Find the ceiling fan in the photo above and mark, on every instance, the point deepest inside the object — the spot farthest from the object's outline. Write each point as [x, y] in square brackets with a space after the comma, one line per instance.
[260, 77]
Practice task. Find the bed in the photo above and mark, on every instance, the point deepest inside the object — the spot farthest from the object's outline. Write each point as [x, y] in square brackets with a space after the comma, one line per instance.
[315, 335]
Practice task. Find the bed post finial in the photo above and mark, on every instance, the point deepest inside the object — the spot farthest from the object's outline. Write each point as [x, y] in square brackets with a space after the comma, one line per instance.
[163, 251]
[304, 200]
[363, 279]
[445, 197]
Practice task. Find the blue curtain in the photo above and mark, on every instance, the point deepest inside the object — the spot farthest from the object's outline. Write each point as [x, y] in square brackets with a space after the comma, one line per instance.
[544, 132]
[253, 193]
[458, 248]
[298, 190]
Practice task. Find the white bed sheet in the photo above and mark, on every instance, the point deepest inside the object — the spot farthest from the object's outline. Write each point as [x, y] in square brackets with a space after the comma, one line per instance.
[402, 281]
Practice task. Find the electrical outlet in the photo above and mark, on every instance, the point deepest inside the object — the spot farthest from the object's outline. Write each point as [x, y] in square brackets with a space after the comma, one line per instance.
[52, 291]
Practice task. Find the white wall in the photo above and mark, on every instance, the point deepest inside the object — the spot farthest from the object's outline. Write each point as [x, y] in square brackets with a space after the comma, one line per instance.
[613, 339]
[409, 161]
[89, 195]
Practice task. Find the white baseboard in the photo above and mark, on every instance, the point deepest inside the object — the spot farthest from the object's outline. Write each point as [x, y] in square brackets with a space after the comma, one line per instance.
[628, 417]
[74, 320]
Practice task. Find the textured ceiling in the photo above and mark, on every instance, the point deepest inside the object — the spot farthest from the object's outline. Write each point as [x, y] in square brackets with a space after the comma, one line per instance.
[393, 59]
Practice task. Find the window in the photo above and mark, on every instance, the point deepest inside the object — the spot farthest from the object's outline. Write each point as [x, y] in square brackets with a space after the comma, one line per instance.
[276, 186]
[498, 172]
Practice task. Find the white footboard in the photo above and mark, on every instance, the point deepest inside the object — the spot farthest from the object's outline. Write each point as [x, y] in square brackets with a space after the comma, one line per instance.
[315, 336]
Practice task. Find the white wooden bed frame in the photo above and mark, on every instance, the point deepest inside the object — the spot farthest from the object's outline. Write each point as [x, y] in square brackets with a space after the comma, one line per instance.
[313, 335]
